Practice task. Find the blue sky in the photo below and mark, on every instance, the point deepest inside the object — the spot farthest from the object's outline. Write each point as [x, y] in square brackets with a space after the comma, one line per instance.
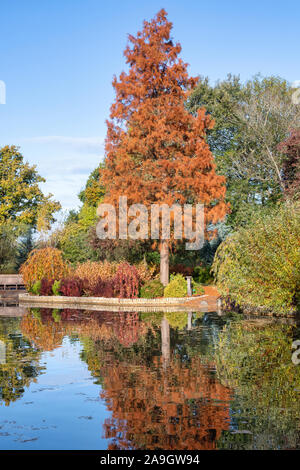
[58, 58]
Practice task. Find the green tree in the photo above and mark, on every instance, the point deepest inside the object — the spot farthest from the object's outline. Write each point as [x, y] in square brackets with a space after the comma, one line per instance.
[74, 238]
[8, 249]
[22, 200]
[222, 103]
[93, 192]
[251, 119]
[25, 246]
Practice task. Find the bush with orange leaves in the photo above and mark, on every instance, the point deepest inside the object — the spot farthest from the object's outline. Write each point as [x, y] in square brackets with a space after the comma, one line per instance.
[93, 270]
[146, 273]
[43, 263]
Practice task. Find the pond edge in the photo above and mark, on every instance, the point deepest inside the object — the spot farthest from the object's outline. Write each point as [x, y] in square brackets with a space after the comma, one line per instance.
[58, 299]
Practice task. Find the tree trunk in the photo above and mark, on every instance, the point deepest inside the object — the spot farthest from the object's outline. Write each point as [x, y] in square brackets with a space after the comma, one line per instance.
[164, 262]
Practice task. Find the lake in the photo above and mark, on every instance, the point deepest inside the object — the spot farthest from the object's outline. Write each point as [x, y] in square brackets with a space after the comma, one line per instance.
[71, 379]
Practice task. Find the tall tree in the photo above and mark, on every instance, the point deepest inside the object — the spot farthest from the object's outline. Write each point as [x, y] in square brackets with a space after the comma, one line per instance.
[22, 201]
[251, 119]
[156, 151]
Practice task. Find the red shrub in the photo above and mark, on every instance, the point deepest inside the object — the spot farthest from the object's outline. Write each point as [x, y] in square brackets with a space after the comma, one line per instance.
[72, 287]
[127, 281]
[104, 288]
[46, 286]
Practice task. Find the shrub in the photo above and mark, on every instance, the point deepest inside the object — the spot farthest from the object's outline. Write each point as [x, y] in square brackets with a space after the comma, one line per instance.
[92, 271]
[46, 286]
[36, 288]
[105, 271]
[102, 288]
[177, 286]
[152, 289]
[145, 271]
[127, 281]
[202, 274]
[153, 258]
[56, 288]
[72, 287]
[259, 265]
[43, 263]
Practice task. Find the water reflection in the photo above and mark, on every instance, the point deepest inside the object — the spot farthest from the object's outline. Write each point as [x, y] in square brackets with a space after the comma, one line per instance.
[19, 361]
[178, 380]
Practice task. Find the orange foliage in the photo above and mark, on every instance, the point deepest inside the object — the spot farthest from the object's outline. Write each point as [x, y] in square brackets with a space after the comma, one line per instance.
[43, 263]
[145, 272]
[156, 151]
[93, 270]
[177, 407]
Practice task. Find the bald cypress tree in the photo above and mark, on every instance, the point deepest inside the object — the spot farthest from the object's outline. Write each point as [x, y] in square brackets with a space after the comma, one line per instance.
[156, 151]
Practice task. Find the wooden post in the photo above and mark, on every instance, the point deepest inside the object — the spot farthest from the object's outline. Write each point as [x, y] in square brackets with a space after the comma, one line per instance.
[189, 286]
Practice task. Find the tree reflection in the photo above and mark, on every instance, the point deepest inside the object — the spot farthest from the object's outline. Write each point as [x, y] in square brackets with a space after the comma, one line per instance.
[158, 398]
[255, 360]
[20, 365]
[46, 327]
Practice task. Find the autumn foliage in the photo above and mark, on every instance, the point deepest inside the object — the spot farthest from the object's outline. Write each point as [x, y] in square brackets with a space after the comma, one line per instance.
[118, 280]
[46, 286]
[43, 263]
[93, 270]
[156, 151]
[72, 287]
[126, 281]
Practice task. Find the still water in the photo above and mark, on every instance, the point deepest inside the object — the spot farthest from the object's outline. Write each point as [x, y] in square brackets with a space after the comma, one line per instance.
[72, 379]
